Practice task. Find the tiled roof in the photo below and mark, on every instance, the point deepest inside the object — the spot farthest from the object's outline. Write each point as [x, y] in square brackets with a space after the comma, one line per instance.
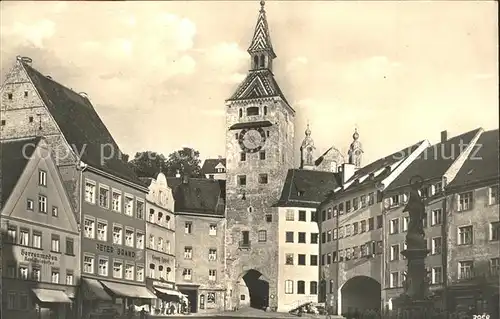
[482, 163]
[210, 163]
[305, 187]
[12, 163]
[261, 40]
[81, 126]
[435, 160]
[258, 84]
[198, 195]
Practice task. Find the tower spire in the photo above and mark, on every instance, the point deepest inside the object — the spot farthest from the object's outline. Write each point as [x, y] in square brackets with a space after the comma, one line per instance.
[261, 48]
[355, 150]
[307, 150]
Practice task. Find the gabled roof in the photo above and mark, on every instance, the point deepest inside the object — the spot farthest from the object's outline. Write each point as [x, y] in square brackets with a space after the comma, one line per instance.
[258, 84]
[307, 188]
[198, 195]
[482, 163]
[261, 40]
[13, 159]
[435, 160]
[210, 163]
[81, 126]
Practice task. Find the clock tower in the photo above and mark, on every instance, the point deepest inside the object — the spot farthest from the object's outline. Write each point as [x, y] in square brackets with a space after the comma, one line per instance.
[259, 152]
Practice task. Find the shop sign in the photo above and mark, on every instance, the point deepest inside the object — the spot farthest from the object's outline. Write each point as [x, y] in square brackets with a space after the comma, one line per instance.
[160, 284]
[38, 257]
[113, 250]
[160, 259]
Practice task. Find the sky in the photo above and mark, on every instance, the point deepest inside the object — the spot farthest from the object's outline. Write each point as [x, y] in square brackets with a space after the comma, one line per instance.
[158, 73]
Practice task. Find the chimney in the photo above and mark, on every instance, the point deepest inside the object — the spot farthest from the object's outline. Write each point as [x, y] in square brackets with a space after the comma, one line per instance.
[444, 136]
[220, 157]
[347, 172]
[177, 174]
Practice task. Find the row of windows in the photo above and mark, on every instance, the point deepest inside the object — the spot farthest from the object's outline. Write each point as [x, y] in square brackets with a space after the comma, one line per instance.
[187, 274]
[465, 271]
[243, 156]
[365, 250]
[90, 229]
[301, 259]
[252, 111]
[89, 265]
[113, 197]
[242, 179]
[188, 253]
[162, 272]
[188, 228]
[302, 216]
[351, 229]
[159, 244]
[349, 206]
[301, 238]
[42, 205]
[159, 219]
[23, 272]
[245, 238]
[23, 239]
[301, 287]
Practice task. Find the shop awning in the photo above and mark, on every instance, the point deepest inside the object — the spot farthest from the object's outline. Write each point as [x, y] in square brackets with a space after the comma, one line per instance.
[130, 291]
[49, 295]
[95, 289]
[169, 292]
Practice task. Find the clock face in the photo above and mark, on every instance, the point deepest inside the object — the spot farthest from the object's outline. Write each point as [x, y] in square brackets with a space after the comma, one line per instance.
[252, 140]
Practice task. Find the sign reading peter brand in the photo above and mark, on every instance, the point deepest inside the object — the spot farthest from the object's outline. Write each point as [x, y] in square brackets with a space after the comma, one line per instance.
[37, 257]
[119, 251]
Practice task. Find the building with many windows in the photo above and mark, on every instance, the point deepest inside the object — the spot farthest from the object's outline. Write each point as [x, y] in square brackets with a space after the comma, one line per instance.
[41, 239]
[352, 227]
[199, 241]
[436, 166]
[160, 241]
[299, 236]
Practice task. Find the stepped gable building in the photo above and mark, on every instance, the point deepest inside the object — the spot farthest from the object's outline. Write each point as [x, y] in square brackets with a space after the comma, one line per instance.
[351, 229]
[259, 151]
[437, 166]
[473, 229]
[199, 241]
[106, 194]
[41, 239]
[160, 241]
[214, 168]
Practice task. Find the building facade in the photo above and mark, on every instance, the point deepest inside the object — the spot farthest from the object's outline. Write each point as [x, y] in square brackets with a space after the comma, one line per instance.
[352, 228]
[41, 239]
[259, 151]
[160, 247]
[199, 242]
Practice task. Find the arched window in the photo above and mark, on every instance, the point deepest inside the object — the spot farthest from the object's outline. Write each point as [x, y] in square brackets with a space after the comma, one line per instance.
[332, 286]
[240, 112]
[262, 61]
[333, 167]
[301, 287]
[253, 110]
[160, 270]
[151, 270]
[256, 61]
[265, 109]
[313, 288]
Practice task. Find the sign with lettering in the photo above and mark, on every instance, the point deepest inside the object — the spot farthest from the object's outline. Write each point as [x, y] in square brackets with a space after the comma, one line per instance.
[118, 251]
[160, 259]
[160, 284]
[38, 257]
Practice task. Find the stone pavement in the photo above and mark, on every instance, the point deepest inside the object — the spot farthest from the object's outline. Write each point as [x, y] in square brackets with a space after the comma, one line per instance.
[247, 313]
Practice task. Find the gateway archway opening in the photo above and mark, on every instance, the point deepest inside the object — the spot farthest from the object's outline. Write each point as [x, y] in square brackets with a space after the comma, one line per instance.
[258, 289]
[360, 294]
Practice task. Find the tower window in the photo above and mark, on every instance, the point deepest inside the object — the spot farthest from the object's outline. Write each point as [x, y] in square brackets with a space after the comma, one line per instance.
[268, 133]
[31, 119]
[256, 61]
[242, 180]
[265, 110]
[9, 96]
[262, 178]
[25, 93]
[3, 122]
[262, 61]
[243, 156]
[236, 136]
[240, 112]
[262, 155]
[253, 110]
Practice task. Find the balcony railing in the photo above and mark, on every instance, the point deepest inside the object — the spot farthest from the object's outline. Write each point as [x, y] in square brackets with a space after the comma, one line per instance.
[244, 244]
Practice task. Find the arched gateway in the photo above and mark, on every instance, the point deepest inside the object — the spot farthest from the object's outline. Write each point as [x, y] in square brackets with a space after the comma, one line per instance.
[253, 290]
[359, 294]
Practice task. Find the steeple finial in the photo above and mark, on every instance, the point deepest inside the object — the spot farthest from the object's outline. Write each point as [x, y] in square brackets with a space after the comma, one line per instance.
[261, 48]
[355, 150]
[308, 130]
[262, 4]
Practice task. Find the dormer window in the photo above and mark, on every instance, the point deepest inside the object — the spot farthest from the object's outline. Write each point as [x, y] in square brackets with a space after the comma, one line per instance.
[300, 193]
[252, 111]
[394, 200]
